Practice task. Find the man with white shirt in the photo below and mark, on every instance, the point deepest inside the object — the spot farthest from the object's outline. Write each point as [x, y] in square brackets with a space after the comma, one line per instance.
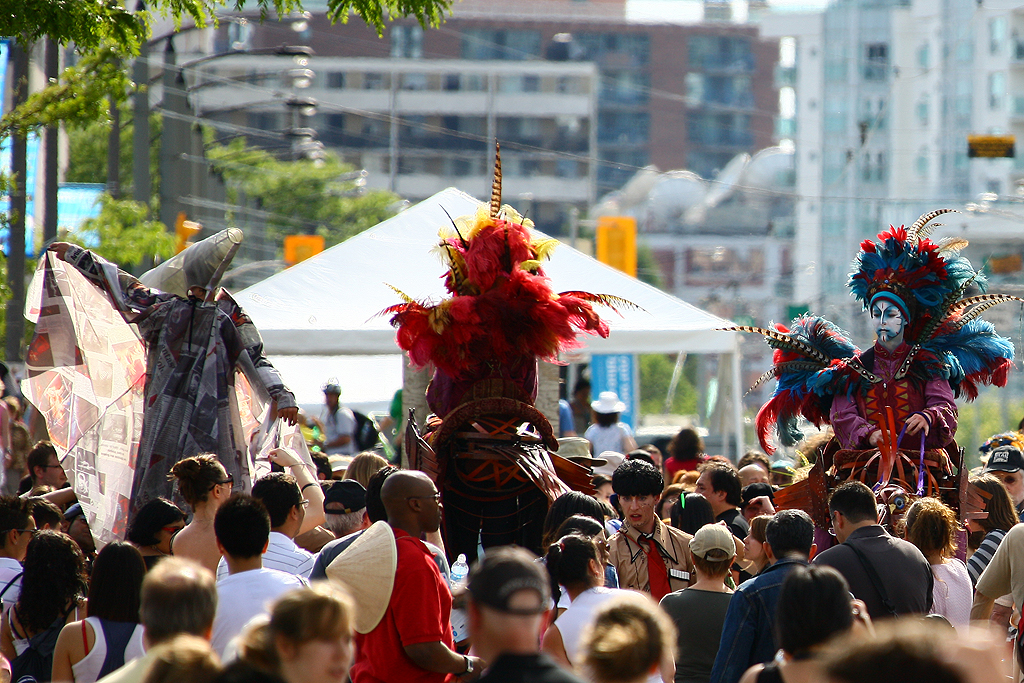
[242, 527]
[280, 494]
[16, 530]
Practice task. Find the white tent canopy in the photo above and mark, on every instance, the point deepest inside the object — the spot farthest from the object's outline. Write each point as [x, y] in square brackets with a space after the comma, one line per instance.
[328, 305]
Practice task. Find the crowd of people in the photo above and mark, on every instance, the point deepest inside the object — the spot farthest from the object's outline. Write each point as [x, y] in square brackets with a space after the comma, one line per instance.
[676, 568]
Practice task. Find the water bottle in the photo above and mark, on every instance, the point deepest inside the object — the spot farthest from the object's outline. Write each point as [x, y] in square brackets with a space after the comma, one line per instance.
[459, 572]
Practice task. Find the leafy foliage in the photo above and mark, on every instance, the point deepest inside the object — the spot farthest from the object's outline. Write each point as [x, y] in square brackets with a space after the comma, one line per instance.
[301, 197]
[93, 23]
[123, 233]
[80, 95]
[655, 377]
[87, 152]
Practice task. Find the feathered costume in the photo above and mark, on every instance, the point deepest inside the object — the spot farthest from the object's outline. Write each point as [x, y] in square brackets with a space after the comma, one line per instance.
[484, 342]
[947, 351]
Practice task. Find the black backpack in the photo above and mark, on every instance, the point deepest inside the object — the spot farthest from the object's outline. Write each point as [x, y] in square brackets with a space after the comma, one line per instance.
[365, 434]
[35, 663]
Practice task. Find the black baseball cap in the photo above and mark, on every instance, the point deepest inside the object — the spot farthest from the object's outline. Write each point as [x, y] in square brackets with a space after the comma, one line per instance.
[1005, 458]
[348, 493]
[752, 491]
[502, 573]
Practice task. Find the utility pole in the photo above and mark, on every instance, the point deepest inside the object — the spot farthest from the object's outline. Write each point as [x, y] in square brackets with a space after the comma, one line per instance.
[141, 185]
[174, 139]
[16, 234]
[51, 134]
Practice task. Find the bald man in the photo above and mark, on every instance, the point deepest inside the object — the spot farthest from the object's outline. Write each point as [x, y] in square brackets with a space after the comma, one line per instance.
[413, 642]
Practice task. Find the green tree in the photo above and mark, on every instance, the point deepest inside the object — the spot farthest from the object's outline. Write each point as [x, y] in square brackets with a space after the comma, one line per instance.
[123, 233]
[301, 197]
[655, 377]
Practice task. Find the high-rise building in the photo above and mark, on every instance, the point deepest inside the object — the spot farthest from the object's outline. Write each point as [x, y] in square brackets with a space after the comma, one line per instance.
[579, 98]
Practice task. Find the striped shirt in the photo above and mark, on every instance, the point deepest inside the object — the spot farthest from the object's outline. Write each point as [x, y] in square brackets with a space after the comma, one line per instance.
[282, 554]
[983, 555]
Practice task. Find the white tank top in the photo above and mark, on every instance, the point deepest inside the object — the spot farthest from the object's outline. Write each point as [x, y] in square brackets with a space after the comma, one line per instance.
[580, 615]
[87, 669]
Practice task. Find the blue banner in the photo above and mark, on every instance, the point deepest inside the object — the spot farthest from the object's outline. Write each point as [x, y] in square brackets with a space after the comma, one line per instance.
[617, 373]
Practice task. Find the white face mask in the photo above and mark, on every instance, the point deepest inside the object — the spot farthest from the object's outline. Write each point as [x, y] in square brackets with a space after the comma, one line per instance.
[888, 322]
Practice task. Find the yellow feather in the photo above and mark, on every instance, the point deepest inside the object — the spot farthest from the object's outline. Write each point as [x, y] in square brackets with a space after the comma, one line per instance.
[544, 247]
[530, 265]
[439, 317]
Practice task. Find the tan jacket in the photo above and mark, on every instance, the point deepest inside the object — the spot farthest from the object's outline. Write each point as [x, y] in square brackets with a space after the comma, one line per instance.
[630, 560]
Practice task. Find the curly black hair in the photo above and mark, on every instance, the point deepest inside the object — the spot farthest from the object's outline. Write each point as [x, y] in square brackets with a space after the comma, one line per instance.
[637, 478]
[54, 580]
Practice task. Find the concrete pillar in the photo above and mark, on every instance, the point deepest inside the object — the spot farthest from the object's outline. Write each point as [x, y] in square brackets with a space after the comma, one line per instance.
[414, 397]
[547, 392]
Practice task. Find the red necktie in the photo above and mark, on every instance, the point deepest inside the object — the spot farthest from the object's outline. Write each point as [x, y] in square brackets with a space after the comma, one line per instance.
[657, 573]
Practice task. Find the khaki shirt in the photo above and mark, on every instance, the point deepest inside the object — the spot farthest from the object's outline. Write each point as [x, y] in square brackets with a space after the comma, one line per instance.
[630, 560]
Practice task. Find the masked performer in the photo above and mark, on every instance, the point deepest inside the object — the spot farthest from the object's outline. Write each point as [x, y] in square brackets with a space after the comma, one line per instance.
[931, 347]
[194, 344]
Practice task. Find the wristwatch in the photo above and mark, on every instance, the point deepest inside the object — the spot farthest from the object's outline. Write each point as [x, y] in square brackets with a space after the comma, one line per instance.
[469, 666]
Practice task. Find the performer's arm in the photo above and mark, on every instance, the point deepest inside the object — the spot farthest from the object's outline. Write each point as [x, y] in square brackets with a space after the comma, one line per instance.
[308, 485]
[940, 410]
[130, 296]
[287, 408]
[852, 430]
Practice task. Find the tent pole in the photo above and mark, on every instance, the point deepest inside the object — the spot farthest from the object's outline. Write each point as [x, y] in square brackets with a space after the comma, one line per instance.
[737, 402]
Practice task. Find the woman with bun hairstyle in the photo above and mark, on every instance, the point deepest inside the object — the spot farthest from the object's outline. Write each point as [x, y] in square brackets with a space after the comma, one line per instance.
[205, 485]
[576, 563]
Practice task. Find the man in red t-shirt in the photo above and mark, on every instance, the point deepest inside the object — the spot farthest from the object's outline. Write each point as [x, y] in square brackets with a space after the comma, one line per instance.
[413, 642]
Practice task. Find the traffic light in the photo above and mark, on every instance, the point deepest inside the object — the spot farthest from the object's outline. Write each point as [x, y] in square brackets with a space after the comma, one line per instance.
[184, 230]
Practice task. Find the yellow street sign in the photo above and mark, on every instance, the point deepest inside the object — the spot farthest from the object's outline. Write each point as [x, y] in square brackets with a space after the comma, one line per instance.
[993, 146]
[616, 242]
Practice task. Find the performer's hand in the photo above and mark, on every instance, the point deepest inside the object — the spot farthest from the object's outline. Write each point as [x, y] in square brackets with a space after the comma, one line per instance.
[60, 248]
[875, 438]
[916, 423]
[289, 415]
[285, 457]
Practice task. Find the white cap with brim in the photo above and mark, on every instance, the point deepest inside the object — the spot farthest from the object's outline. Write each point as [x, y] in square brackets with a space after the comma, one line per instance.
[611, 461]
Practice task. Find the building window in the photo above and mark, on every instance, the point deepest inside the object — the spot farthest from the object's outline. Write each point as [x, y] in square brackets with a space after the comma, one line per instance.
[373, 81]
[922, 110]
[996, 35]
[881, 172]
[531, 83]
[407, 42]
[414, 81]
[451, 81]
[335, 79]
[513, 45]
[996, 90]
[876, 61]
[922, 162]
[923, 56]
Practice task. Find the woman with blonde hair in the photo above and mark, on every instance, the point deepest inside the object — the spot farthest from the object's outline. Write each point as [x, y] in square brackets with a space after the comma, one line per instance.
[630, 641]
[931, 526]
[363, 466]
[307, 639]
[205, 485]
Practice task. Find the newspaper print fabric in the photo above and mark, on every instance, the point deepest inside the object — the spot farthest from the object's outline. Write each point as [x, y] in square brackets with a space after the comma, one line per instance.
[86, 375]
[193, 402]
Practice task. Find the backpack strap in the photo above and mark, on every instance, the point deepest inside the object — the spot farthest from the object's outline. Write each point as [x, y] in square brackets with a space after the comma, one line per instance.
[876, 580]
[85, 639]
